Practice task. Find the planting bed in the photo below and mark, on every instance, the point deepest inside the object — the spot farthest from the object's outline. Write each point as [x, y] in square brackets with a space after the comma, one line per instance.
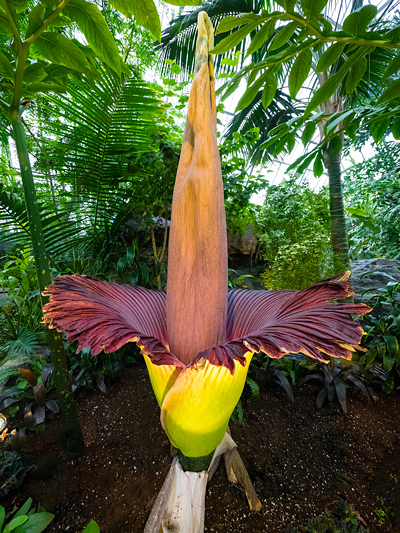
[300, 460]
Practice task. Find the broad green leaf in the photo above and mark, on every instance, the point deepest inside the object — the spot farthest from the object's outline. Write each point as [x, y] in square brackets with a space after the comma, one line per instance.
[252, 77]
[93, 25]
[92, 527]
[306, 160]
[312, 7]
[230, 22]
[324, 92]
[35, 19]
[6, 69]
[24, 508]
[396, 128]
[261, 36]
[35, 524]
[357, 22]
[18, 5]
[283, 35]
[318, 168]
[329, 56]
[235, 38]
[5, 27]
[332, 83]
[393, 35]
[56, 72]
[308, 132]
[146, 14]
[393, 91]
[269, 91]
[184, 2]
[288, 5]
[379, 128]
[34, 72]
[299, 72]
[331, 125]
[58, 49]
[2, 516]
[251, 92]
[355, 75]
[44, 88]
[392, 68]
[334, 147]
[15, 522]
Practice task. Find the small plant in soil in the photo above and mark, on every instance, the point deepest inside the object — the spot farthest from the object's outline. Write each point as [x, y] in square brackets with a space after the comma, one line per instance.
[336, 378]
[384, 513]
[341, 519]
[31, 385]
[382, 329]
[13, 469]
[26, 520]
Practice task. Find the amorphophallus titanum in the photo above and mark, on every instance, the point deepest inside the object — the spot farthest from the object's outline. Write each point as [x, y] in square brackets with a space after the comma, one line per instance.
[198, 338]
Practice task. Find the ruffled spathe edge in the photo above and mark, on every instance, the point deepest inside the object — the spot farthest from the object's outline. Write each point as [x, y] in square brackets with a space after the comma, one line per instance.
[105, 316]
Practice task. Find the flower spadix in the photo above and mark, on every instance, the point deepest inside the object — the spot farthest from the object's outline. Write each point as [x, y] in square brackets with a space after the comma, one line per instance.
[198, 338]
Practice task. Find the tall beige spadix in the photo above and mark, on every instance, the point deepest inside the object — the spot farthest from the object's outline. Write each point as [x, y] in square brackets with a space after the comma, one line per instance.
[197, 251]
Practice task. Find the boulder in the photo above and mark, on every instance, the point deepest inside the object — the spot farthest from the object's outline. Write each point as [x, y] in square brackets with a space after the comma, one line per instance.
[381, 268]
[244, 244]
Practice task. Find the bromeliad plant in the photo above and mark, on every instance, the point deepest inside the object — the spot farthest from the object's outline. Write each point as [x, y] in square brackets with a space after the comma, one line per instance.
[198, 338]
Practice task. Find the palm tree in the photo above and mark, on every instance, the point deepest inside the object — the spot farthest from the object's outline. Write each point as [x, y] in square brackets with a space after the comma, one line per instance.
[88, 147]
[174, 40]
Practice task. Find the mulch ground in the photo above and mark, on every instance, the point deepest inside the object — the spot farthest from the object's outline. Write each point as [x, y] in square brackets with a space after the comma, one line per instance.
[300, 460]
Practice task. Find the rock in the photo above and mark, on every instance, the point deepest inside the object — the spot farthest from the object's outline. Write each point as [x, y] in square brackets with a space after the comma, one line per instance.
[244, 244]
[375, 281]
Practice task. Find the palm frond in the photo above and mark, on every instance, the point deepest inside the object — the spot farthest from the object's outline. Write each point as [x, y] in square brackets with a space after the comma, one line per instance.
[254, 115]
[87, 148]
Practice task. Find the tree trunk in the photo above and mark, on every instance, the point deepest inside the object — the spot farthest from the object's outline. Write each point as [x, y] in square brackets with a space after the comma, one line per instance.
[336, 205]
[72, 438]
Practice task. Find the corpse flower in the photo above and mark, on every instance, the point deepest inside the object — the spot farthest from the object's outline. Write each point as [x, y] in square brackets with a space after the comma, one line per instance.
[198, 338]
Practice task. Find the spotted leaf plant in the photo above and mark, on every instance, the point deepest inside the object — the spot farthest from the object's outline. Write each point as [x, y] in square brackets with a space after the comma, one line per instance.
[198, 338]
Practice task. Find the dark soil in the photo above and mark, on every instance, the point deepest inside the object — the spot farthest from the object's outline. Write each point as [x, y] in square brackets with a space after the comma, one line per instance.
[300, 460]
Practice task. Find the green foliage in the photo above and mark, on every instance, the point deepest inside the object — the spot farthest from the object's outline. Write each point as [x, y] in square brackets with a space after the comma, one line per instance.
[294, 236]
[26, 520]
[89, 371]
[20, 311]
[92, 527]
[382, 338]
[341, 519]
[13, 469]
[384, 513]
[239, 184]
[372, 197]
[334, 377]
[30, 386]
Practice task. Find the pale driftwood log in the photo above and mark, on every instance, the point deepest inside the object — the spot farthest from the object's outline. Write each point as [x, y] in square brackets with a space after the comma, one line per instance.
[237, 474]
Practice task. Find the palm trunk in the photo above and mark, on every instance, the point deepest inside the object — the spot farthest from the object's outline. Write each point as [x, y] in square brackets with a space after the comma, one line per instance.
[72, 438]
[336, 205]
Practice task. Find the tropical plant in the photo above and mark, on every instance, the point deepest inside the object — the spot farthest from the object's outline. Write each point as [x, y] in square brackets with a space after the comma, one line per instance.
[88, 371]
[294, 228]
[382, 328]
[34, 386]
[197, 338]
[334, 377]
[20, 310]
[13, 469]
[26, 520]
[340, 519]
[372, 195]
